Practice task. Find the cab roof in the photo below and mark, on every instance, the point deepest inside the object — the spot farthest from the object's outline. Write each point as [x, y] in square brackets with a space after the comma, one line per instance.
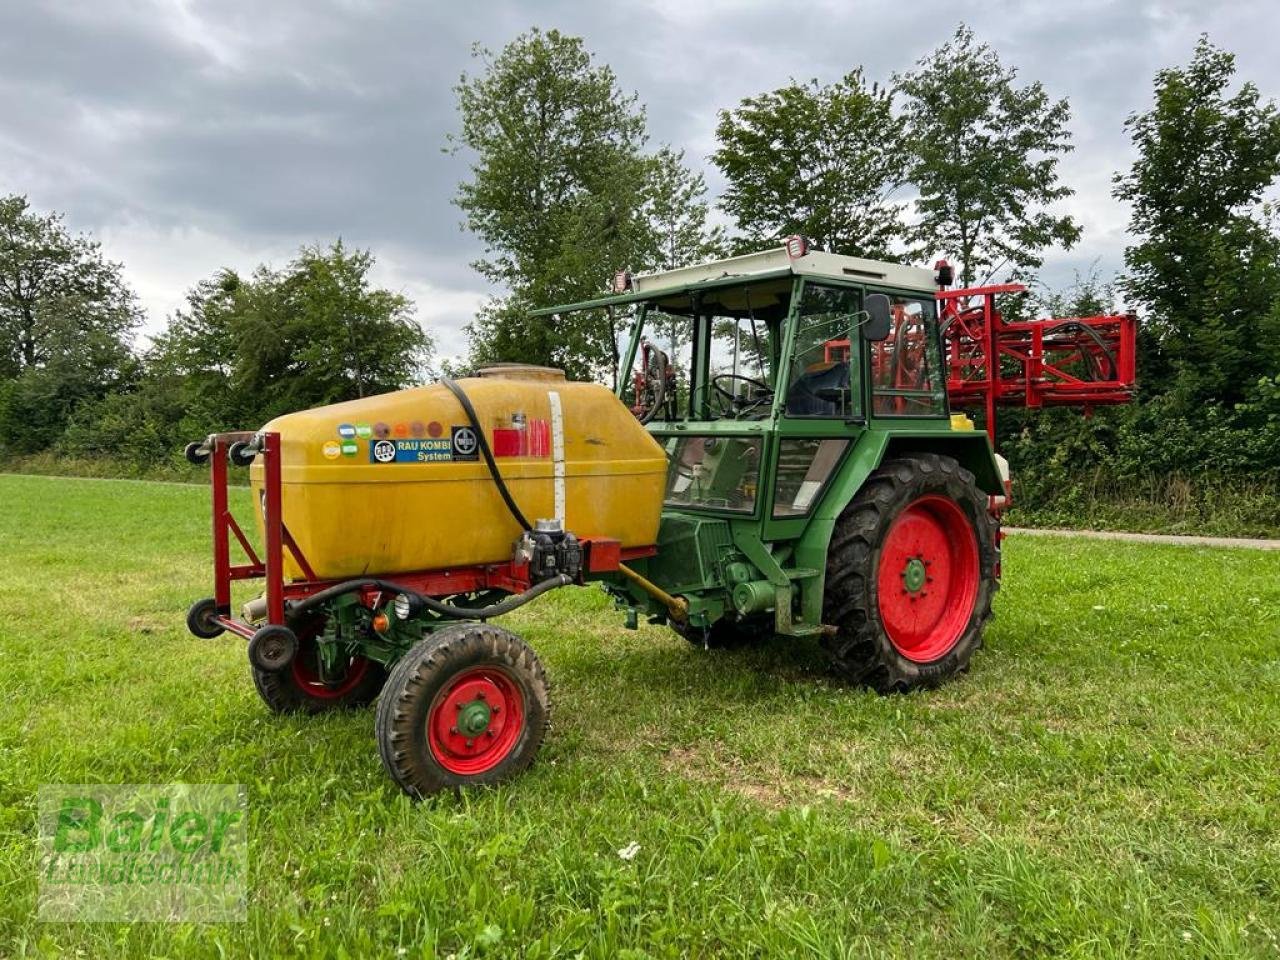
[759, 266]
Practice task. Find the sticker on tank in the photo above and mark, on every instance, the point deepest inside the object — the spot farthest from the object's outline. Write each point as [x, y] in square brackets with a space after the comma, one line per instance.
[411, 451]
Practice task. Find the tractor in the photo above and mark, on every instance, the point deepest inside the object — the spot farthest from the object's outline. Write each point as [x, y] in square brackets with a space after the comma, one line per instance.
[779, 458]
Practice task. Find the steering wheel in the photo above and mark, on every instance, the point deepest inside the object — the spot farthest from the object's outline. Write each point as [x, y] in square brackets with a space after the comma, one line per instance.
[736, 404]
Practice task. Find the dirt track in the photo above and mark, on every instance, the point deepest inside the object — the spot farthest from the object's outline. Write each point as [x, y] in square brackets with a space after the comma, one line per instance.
[1180, 541]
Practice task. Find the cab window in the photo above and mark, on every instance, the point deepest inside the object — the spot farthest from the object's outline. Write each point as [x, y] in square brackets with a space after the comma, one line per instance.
[822, 382]
[907, 379]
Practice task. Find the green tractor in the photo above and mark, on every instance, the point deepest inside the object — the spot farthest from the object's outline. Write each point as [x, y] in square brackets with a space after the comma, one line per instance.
[815, 485]
[818, 485]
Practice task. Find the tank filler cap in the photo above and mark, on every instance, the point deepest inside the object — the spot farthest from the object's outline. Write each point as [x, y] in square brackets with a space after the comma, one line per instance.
[553, 525]
[520, 371]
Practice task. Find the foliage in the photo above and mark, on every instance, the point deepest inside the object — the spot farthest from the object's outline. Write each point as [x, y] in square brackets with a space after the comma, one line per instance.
[246, 350]
[313, 333]
[562, 194]
[821, 161]
[984, 158]
[319, 332]
[1088, 295]
[1207, 264]
[676, 211]
[554, 194]
[66, 319]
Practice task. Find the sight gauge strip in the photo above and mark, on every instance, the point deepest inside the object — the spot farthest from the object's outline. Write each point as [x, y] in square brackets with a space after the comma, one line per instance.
[557, 450]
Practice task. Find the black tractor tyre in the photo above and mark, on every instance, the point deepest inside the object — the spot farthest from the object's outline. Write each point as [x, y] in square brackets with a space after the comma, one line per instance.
[862, 650]
[421, 725]
[299, 689]
[200, 619]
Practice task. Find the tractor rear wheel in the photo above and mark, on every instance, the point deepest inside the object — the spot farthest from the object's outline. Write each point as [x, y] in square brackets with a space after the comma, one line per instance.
[468, 705]
[911, 572]
[301, 687]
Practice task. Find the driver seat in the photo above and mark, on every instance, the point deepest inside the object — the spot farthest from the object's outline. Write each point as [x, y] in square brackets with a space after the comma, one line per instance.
[803, 399]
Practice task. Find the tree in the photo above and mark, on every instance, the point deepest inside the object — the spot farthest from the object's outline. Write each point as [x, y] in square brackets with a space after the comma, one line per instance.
[816, 160]
[555, 193]
[1207, 267]
[1088, 295]
[677, 214]
[318, 332]
[66, 319]
[985, 157]
[314, 333]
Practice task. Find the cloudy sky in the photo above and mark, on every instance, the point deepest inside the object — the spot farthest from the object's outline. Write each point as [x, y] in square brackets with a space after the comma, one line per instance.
[189, 136]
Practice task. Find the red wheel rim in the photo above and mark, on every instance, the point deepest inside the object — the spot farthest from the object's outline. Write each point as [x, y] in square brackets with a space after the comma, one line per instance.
[307, 678]
[475, 721]
[928, 578]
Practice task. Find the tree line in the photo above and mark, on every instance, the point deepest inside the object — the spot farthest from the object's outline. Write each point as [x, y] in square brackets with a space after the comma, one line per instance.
[956, 157]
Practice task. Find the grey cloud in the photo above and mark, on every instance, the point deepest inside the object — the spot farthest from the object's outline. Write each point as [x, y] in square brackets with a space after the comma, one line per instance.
[268, 125]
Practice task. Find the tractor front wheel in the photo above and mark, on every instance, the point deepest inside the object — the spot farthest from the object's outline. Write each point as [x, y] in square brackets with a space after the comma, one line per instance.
[910, 575]
[468, 705]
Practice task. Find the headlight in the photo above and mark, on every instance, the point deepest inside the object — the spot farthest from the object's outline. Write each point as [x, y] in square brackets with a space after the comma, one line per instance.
[402, 606]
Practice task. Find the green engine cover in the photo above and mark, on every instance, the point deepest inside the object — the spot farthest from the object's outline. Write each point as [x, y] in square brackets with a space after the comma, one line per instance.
[692, 553]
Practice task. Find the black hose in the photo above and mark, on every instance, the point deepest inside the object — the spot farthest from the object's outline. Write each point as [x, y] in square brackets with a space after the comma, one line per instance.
[300, 609]
[470, 411]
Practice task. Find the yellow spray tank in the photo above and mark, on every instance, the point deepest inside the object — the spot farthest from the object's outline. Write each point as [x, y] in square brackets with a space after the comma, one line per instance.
[396, 482]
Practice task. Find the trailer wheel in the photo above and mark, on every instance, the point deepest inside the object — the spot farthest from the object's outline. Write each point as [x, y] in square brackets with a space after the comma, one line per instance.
[467, 705]
[239, 454]
[301, 688]
[200, 619]
[910, 575]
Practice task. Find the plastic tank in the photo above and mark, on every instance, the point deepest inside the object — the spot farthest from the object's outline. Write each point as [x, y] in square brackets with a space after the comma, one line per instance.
[396, 482]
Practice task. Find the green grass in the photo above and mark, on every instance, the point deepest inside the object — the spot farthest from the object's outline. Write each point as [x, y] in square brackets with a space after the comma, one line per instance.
[1104, 783]
[1220, 506]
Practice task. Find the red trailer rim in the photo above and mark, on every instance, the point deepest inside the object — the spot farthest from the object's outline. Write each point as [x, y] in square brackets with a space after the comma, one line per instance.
[475, 721]
[310, 683]
[928, 578]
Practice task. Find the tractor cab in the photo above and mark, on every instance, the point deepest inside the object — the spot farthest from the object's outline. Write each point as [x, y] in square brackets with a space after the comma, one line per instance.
[760, 373]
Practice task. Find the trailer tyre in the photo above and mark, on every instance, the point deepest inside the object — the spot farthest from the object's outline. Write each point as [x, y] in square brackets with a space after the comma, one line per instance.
[468, 705]
[200, 619]
[911, 573]
[272, 648]
[302, 688]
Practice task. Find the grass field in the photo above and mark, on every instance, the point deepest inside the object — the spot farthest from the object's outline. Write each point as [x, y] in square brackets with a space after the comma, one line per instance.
[1106, 782]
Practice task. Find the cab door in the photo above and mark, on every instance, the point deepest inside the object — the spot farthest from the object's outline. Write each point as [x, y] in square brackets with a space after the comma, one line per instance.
[821, 404]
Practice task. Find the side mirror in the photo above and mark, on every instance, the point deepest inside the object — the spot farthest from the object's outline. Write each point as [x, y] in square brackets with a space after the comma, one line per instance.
[878, 322]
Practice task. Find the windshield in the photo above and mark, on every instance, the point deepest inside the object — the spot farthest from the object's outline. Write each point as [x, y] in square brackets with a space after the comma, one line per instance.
[725, 340]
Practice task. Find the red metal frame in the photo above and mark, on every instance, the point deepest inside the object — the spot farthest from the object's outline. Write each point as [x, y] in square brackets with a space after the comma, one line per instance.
[1039, 363]
[992, 363]
[601, 555]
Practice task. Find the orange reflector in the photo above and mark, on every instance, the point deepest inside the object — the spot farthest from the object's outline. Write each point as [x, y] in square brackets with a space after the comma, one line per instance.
[381, 622]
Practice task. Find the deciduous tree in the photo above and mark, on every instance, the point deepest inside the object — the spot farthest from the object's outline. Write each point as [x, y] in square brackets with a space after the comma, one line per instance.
[316, 332]
[66, 321]
[985, 160]
[555, 193]
[818, 160]
[1207, 262]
